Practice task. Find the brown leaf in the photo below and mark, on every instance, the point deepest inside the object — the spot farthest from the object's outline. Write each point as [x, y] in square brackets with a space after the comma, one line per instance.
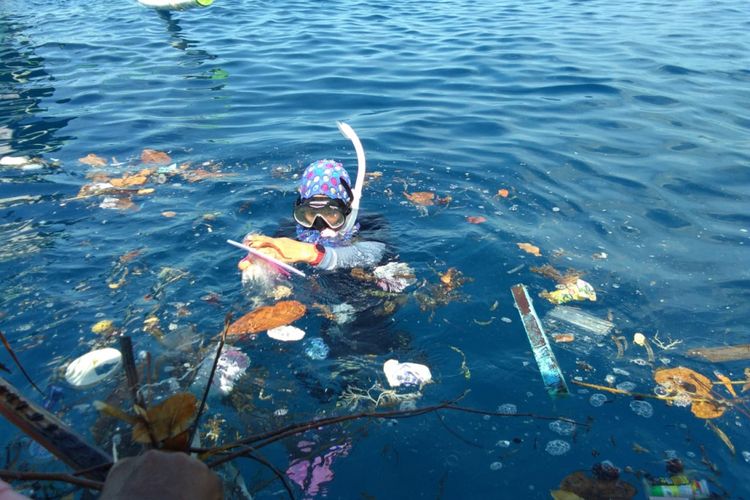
[268, 317]
[684, 380]
[475, 219]
[93, 161]
[167, 419]
[707, 409]
[115, 412]
[424, 198]
[529, 248]
[153, 156]
[727, 382]
[202, 174]
[169, 214]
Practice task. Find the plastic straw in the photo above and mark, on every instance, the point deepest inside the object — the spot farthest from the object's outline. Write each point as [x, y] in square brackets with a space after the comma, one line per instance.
[267, 258]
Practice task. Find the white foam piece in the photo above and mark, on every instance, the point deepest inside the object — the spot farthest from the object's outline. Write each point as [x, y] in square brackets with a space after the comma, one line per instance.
[286, 333]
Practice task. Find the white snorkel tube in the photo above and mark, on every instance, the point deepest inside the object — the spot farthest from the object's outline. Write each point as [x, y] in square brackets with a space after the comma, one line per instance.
[361, 167]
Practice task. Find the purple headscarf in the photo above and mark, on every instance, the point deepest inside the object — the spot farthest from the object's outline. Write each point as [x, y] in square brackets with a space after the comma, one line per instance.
[324, 177]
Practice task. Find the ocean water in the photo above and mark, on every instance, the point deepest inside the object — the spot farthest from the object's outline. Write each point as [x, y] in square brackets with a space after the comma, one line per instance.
[620, 132]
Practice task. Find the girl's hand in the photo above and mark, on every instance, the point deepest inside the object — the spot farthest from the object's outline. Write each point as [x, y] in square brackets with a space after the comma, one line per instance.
[284, 249]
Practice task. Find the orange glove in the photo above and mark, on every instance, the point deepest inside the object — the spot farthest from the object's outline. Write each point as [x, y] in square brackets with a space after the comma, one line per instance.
[285, 249]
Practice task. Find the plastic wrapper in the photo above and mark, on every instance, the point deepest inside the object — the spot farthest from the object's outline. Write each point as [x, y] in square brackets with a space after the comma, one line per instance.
[231, 366]
[572, 316]
[580, 290]
[406, 373]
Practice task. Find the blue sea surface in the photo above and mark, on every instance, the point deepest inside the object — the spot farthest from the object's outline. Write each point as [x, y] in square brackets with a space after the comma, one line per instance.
[621, 132]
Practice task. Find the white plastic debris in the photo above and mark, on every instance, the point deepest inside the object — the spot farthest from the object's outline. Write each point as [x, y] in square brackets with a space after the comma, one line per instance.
[343, 313]
[93, 367]
[394, 276]
[406, 373]
[286, 333]
[231, 366]
[575, 317]
[14, 161]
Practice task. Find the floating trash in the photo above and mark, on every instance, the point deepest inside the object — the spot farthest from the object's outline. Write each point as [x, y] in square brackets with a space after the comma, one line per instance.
[103, 327]
[286, 333]
[507, 408]
[580, 290]
[575, 317]
[316, 349]
[496, 465]
[394, 276]
[557, 447]
[503, 443]
[343, 313]
[281, 412]
[746, 456]
[642, 408]
[562, 427]
[406, 373]
[597, 399]
[626, 386]
[231, 366]
[93, 367]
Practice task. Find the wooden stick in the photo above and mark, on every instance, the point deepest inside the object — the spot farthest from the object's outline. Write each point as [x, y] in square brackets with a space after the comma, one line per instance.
[50, 476]
[18, 363]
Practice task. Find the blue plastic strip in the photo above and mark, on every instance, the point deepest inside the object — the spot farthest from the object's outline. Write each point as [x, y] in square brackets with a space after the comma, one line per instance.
[545, 358]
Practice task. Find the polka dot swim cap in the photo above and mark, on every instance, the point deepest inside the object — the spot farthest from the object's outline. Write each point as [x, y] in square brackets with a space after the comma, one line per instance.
[324, 177]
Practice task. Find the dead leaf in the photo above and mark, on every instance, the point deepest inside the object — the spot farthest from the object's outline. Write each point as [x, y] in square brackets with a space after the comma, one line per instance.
[93, 161]
[529, 248]
[169, 214]
[167, 419]
[707, 409]
[452, 278]
[202, 174]
[153, 156]
[115, 412]
[681, 379]
[564, 337]
[722, 435]
[475, 219]
[267, 317]
[423, 198]
[503, 193]
[727, 382]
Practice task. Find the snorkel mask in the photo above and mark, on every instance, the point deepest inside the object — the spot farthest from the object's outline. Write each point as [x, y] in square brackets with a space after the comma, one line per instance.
[319, 211]
[326, 202]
